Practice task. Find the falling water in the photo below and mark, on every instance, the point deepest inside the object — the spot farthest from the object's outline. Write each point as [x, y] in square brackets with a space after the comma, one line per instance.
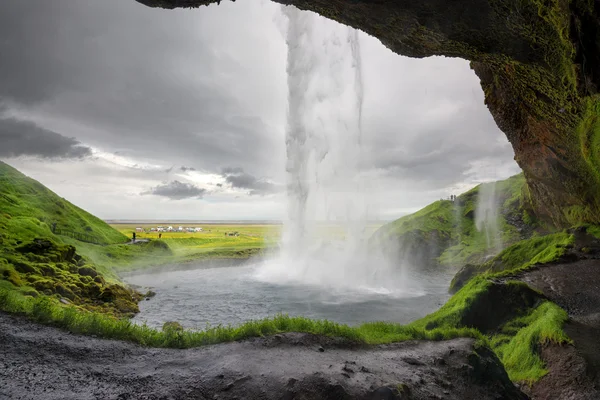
[486, 216]
[323, 141]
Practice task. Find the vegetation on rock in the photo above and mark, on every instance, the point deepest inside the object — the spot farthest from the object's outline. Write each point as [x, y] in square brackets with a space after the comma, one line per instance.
[444, 232]
[36, 262]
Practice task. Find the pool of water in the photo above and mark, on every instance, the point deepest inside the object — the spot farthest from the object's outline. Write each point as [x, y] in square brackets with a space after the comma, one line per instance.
[231, 295]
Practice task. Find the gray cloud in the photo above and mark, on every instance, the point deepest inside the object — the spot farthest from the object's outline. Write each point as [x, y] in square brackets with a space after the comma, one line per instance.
[24, 138]
[207, 88]
[149, 80]
[176, 190]
[232, 170]
[237, 178]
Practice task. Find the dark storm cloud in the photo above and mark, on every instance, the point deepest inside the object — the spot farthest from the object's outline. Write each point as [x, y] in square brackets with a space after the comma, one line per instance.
[176, 190]
[186, 169]
[24, 138]
[143, 78]
[239, 179]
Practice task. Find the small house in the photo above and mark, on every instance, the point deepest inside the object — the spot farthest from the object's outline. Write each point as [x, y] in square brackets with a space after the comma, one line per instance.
[180, 229]
[139, 229]
[198, 229]
[170, 229]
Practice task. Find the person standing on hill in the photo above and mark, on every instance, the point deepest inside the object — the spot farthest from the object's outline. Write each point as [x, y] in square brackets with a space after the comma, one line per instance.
[133, 237]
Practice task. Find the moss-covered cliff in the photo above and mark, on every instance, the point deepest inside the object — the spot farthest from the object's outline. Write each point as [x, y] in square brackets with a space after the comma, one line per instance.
[538, 64]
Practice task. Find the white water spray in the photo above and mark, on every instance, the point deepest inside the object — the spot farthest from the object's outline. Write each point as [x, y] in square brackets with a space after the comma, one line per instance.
[323, 141]
[486, 216]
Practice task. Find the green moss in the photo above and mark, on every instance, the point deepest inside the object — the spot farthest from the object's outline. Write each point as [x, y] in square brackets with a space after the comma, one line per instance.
[593, 230]
[517, 320]
[518, 342]
[518, 257]
[537, 250]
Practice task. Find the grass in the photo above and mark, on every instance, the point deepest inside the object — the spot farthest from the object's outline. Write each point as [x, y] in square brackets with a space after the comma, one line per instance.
[517, 345]
[537, 250]
[48, 311]
[36, 262]
[517, 321]
[518, 257]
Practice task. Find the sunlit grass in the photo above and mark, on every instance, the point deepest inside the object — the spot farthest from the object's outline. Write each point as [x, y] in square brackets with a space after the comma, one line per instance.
[518, 344]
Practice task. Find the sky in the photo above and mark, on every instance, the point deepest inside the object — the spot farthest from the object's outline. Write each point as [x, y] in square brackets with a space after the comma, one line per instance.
[138, 113]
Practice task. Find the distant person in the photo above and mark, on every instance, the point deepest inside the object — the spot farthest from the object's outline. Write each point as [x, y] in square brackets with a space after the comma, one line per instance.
[134, 236]
[160, 235]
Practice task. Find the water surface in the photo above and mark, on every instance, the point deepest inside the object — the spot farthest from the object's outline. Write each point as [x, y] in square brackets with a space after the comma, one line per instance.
[232, 295]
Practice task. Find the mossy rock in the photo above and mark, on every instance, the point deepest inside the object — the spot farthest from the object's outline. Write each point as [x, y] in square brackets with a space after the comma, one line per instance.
[37, 246]
[10, 275]
[87, 271]
[25, 268]
[64, 292]
[463, 276]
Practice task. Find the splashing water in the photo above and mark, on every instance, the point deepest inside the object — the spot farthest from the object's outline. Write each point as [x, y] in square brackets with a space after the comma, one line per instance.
[486, 216]
[323, 142]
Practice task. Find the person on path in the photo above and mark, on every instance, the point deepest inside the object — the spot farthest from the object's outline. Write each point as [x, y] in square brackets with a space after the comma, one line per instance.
[133, 237]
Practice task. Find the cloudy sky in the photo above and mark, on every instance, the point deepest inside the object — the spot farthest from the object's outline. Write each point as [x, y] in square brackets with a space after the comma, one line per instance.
[139, 113]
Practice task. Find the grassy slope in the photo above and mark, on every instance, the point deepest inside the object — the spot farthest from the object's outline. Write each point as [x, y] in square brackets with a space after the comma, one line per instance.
[453, 223]
[518, 257]
[36, 262]
[23, 197]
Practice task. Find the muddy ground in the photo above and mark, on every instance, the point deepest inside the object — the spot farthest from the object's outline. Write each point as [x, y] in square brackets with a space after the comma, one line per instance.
[41, 362]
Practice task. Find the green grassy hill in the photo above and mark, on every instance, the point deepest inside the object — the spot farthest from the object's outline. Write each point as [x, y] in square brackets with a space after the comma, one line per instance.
[36, 262]
[23, 197]
[444, 232]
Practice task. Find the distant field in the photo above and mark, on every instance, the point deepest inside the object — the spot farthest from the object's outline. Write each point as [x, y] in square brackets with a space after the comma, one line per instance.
[215, 241]
[209, 233]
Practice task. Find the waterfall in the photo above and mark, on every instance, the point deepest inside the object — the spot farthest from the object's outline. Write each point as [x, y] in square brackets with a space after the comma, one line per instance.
[323, 144]
[486, 216]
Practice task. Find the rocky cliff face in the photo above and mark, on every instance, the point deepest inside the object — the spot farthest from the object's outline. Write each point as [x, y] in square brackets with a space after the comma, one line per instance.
[538, 62]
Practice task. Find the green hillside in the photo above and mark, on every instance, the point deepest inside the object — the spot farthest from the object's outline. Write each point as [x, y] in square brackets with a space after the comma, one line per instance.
[36, 262]
[444, 232]
[23, 197]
